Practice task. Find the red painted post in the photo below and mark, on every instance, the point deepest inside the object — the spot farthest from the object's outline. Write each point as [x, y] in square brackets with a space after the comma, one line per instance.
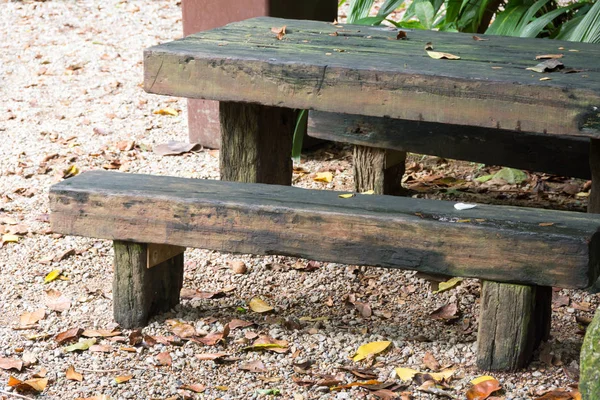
[198, 15]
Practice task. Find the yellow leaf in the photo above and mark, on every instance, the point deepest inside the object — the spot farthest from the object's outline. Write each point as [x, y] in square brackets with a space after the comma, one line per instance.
[222, 388]
[445, 374]
[450, 283]
[346, 195]
[265, 346]
[583, 194]
[52, 275]
[546, 223]
[123, 379]
[370, 349]
[73, 375]
[368, 192]
[71, 171]
[406, 374]
[259, 306]
[439, 55]
[8, 238]
[481, 379]
[323, 177]
[545, 79]
[167, 111]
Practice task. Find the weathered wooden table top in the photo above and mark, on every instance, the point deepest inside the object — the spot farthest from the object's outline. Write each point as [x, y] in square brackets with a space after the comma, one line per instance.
[368, 71]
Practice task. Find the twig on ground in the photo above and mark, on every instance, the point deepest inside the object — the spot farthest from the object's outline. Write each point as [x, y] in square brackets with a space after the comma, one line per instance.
[18, 396]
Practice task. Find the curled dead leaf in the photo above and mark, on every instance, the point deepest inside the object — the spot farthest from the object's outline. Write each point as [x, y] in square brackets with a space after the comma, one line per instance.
[259, 306]
[279, 31]
[73, 375]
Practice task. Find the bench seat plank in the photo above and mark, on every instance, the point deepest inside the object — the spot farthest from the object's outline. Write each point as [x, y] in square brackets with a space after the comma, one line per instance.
[364, 70]
[504, 244]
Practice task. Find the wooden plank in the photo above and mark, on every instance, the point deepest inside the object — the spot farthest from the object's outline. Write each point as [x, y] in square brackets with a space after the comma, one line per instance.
[567, 156]
[497, 243]
[364, 70]
[159, 253]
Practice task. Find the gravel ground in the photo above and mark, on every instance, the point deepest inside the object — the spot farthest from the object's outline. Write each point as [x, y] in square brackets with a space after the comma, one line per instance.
[70, 80]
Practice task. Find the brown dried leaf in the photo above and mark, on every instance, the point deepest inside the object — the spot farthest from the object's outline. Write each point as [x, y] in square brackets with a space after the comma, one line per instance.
[401, 35]
[547, 66]
[446, 313]
[364, 309]
[30, 385]
[173, 148]
[385, 394]
[181, 329]
[479, 39]
[438, 55]
[268, 343]
[430, 362]
[213, 338]
[164, 358]
[100, 333]
[483, 390]
[72, 375]
[548, 56]
[68, 336]
[211, 356]
[194, 387]
[255, 366]
[239, 323]
[56, 301]
[100, 348]
[136, 337]
[30, 318]
[280, 32]
[11, 363]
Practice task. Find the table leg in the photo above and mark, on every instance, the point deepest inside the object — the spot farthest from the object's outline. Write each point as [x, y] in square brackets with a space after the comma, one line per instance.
[380, 170]
[256, 143]
[594, 199]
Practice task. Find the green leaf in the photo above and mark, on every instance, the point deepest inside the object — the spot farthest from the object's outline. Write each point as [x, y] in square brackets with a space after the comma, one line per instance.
[484, 178]
[299, 132]
[369, 21]
[359, 9]
[81, 345]
[388, 7]
[266, 392]
[449, 284]
[507, 21]
[588, 29]
[424, 12]
[511, 175]
[535, 27]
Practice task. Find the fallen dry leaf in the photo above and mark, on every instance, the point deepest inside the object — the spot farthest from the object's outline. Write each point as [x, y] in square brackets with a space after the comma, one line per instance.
[82, 345]
[446, 313]
[56, 301]
[268, 343]
[11, 363]
[164, 358]
[449, 284]
[30, 385]
[213, 338]
[430, 362]
[239, 323]
[401, 35]
[547, 66]
[68, 335]
[166, 111]
[173, 148]
[255, 366]
[70, 172]
[181, 329]
[548, 56]
[100, 333]
[483, 389]
[52, 275]
[479, 39]
[211, 356]
[123, 378]
[326, 177]
[280, 32]
[30, 318]
[438, 55]
[73, 375]
[370, 349]
[259, 306]
[194, 387]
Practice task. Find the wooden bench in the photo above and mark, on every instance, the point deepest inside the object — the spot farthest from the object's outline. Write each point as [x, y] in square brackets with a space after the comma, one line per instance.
[152, 218]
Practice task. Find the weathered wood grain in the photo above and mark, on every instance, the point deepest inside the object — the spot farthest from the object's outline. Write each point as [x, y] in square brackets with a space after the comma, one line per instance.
[364, 70]
[514, 319]
[379, 170]
[256, 143]
[504, 244]
[140, 292]
[562, 155]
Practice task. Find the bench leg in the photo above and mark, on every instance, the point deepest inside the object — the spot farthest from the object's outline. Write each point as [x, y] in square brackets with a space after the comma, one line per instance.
[513, 321]
[140, 292]
[380, 170]
[594, 199]
[256, 143]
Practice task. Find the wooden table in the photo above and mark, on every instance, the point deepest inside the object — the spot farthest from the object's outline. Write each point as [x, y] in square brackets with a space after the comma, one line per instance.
[261, 80]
